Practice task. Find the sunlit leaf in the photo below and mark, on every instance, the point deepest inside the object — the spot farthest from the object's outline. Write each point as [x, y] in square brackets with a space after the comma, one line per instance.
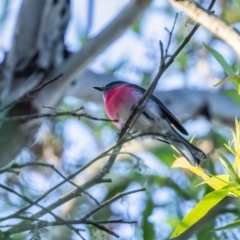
[216, 182]
[201, 209]
[229, 147]
[228, 166]
[234, 79]
[218, 56]
[234, 190]
[233, 225]
[236, 149]
[183, 163]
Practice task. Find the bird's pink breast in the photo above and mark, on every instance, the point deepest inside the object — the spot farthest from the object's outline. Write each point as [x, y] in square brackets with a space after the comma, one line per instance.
[119, 101]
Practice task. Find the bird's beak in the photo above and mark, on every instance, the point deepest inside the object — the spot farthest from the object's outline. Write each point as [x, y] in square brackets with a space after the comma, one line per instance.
[99, 88]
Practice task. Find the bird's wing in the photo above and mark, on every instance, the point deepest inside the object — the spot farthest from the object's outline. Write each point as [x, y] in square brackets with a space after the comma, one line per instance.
[169, 116]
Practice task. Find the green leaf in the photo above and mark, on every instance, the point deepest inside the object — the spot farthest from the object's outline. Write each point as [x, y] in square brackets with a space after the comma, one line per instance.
[233, 79]
[228, 166]
[217, 181]
[148, 228]
[218, 56]
[136, 27]
[200, 210]
[235, 224]
[206, 232]
[233, 95]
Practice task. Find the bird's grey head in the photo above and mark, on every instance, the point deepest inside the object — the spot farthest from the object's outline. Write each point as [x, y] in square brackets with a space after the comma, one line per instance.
[110, 86]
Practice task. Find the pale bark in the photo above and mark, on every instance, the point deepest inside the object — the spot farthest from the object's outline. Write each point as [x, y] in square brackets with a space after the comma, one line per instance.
[79, 61]
[46, 56]
[211, 22]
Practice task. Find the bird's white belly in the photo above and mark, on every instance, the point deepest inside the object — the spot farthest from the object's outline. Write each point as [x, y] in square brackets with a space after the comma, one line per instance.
[151, 124]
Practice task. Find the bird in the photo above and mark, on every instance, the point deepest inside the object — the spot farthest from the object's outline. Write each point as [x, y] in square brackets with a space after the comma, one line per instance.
[120, 98]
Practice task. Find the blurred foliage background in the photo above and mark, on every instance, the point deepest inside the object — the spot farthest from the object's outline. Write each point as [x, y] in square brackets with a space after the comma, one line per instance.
[70, 143]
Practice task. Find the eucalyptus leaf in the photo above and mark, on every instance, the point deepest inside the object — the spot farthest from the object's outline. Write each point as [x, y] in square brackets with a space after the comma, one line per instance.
[233, 225]
[218, 56]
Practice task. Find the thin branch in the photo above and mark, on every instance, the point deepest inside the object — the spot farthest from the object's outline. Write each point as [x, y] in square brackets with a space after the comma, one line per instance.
[161, 53]
[15, 165]
[187, 39]
[111, 221]
[45, 84]
[109, 201]
[59, 113]
[170, 36]
[30, 201]
[211, 22]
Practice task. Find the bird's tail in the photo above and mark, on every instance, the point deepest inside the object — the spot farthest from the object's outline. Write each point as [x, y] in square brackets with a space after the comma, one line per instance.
[193, 154]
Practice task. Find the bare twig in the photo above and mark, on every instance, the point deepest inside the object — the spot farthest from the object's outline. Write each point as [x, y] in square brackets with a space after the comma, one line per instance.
[30, 201]
[59, 113]
[161, 53]
[58, 185]
[83, 220]
[103, 228]
[112, 221]
[211, 22]
[109, 201]
[72, 221]
[170, 37]
[45, 84]
[15, 165]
